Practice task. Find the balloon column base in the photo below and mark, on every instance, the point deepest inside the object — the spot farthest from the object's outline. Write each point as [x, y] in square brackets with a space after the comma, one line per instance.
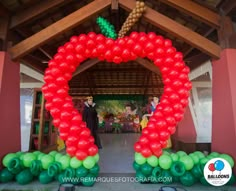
[179, 167]
[46, 168]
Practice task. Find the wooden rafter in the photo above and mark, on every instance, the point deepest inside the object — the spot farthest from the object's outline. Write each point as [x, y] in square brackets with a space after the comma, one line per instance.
[149, 65]
[86, 65]
[195, 10]
[58, 28]
[34, 11]
[177, 30]
[228, 6]
[188, 49]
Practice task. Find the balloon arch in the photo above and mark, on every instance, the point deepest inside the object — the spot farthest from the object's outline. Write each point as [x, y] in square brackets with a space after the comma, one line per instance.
[80, 164]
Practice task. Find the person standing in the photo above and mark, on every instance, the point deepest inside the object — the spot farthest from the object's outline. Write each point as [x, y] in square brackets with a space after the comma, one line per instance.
[90, 116]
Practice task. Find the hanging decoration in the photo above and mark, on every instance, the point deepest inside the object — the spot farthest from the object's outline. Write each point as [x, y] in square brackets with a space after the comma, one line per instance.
[132, 18]
[106, 28]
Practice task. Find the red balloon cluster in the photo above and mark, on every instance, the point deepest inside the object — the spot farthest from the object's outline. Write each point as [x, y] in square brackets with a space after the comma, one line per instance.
[168, 113]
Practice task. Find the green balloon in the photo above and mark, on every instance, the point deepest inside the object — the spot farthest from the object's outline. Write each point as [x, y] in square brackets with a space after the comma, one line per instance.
[36, 153]
[146, 169]
[214, 154]
[89, 162]
[89, 180]
[24, 177]
[228, 158]
[174, 157]
[140, 177]
[156, 172]
[194, 158]
[44, 178]
[167, 177]
[28, 158]
[203, 181]
[138, 157]
[199, 154]
[58, 156]
[96, 157]
[19, 153]
[164, 152]
[187, 179]
[136, 166]
[231, 180]
[95, 170]
[40, 156]
[152, 160]
[65, 161]
[81, 172]
[165, 162]
[177, 169]
[75, 163]
[53, 153]
[47, 160]
[188, 162]
[7, 158]
[6, 176]
[106, 28]
[181, 153]
[203, 162]
[197, 171]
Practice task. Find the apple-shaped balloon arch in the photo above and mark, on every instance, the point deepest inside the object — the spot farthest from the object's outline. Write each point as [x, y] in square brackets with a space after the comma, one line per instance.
[170, 110]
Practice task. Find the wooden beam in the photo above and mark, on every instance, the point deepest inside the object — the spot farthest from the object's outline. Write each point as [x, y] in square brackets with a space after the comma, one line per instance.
[4, 23]
[228, 6]
[196, 11]
[58, 28]
[34, 11]
[31, 62]
[149, 65]
[30, 72]
[86, 65]
[176, 29]
[114, 5]
[187, 50]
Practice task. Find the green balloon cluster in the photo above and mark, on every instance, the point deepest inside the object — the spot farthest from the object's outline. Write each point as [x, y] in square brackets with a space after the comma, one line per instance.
[25, 167]
[106, 28]
[181, 167]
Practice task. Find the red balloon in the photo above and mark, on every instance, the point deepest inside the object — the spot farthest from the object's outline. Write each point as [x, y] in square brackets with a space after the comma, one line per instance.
[155, 146]
[143, 140]
[146, 152]
[76, 119]
[48, 79]
[153, 136]
[72, 141]
[171, 129]
[92, 150]
[163, 143]
[63, 136]
[161, 124]
[64, 126]
[55, 112]
[151, 125]
[158, 153]
[48, 105]
[85, 133]
[81, 155]
[164, 135]
[211, 167]
[137, 147]
[145, 131]
[56, 122]
[170, 120]
[83, 144]
[71, 150]
[91, 139]
[65, 115]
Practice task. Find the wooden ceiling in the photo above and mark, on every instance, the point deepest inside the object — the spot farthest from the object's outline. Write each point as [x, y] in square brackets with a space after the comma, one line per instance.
[32, 30]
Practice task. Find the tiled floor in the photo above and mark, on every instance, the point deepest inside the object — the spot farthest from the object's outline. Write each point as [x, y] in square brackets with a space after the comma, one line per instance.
[116, 159]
